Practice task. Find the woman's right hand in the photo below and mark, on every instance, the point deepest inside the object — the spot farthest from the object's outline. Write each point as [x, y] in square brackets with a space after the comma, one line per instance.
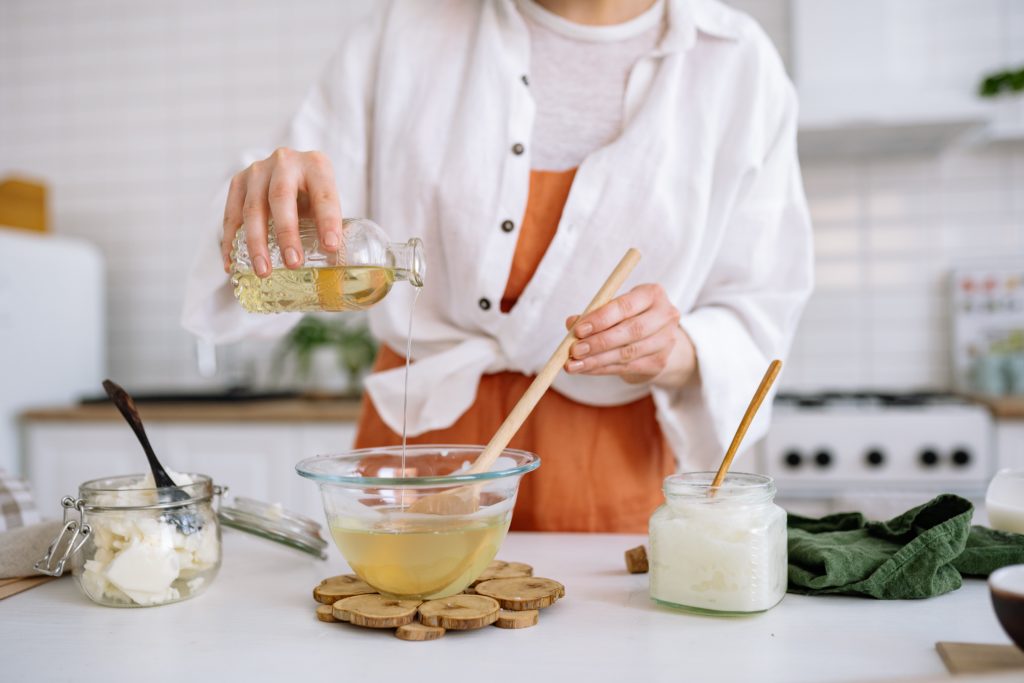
[286, 186]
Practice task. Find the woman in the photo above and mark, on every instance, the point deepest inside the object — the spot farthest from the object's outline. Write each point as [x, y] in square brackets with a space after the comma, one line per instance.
[529, 143]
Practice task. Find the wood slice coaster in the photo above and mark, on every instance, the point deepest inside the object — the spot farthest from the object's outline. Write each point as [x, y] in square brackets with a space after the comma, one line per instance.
[522, 594]
[418, 631]
[506, 595]
[459, 612]
[375, 611]
[332, 589]
[511, 619]
[325, 613]
[499, 569]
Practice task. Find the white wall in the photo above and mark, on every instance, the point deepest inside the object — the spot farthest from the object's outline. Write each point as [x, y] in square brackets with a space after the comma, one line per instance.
[134, 110]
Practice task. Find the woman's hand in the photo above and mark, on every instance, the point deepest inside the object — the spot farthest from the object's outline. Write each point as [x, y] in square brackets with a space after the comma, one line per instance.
[635, 336]
[287, 185]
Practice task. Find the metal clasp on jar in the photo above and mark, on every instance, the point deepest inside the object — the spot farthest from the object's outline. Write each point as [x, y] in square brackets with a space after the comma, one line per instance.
[68, 541]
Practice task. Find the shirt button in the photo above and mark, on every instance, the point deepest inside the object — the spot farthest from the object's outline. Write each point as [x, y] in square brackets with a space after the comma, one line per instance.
[526, 81]
[484, 304]
[518, 149]
[508, 226]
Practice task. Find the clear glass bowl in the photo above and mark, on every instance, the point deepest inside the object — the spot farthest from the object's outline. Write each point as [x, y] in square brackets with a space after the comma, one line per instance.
[146, 546]
[408, 554]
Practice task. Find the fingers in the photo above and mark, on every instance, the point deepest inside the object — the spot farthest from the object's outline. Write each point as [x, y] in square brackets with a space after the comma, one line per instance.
[232, 215]
[637, 300]
[631, 336]
[282, 195]
[323, 198]
[627, 333]
[570, 321]
[644, 357]
[255, 212]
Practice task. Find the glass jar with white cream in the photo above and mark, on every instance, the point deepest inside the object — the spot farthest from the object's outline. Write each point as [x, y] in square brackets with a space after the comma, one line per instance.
[723, 553]
[131, 544]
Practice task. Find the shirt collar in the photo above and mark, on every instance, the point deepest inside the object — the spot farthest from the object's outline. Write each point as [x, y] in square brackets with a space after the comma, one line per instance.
[687, 18]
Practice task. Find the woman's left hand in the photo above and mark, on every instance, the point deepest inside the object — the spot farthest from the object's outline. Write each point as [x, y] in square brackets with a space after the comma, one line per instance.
[635, 336]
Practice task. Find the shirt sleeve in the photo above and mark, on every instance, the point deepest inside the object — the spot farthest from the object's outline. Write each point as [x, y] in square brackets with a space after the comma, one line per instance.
[334, 118]
[749, 306]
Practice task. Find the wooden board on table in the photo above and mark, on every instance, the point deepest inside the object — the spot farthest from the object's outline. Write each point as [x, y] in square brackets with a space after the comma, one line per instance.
[970, 658]
[9, 587]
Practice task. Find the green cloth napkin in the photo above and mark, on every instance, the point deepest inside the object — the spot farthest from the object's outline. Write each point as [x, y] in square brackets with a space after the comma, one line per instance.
[924, 552]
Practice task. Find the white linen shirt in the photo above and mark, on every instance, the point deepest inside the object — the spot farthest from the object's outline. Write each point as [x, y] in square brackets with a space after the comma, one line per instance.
[422, 112]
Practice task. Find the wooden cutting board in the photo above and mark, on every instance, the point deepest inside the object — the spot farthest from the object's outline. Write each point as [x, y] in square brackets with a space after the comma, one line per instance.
[976, 658]
[9, 587]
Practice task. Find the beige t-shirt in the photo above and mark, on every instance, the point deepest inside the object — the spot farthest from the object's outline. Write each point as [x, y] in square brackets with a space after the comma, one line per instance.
[578, 77]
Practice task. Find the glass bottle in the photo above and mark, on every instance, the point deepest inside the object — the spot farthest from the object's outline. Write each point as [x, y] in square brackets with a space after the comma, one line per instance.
[721, 554]
[353, 278]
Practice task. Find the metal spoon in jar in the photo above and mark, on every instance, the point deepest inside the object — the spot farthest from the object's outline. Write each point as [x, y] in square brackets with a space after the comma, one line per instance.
[184, 518]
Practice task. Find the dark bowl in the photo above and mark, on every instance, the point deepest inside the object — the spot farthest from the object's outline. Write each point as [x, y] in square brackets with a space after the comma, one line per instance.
[1007, 588]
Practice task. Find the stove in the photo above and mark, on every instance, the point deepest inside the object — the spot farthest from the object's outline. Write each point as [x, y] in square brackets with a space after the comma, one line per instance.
[850, 446]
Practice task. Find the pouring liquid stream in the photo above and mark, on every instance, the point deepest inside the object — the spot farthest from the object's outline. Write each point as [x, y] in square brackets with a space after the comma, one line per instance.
[405, 392]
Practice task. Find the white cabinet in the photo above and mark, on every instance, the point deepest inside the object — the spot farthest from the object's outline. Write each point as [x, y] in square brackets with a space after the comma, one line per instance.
[253, 460]
[878, 77]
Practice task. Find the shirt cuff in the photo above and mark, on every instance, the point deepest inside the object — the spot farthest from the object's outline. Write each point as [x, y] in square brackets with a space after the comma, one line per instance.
[700, 419]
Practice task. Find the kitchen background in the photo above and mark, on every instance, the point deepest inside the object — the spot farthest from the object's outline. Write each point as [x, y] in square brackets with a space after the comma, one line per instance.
[133, 114]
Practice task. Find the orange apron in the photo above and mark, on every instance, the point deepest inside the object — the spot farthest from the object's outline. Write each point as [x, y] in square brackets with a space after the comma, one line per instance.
[601, 467]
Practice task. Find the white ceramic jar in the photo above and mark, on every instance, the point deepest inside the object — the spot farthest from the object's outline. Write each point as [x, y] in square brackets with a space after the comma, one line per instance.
[723, 553]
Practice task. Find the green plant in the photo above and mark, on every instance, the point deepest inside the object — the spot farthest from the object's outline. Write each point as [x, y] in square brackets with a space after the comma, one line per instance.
[1009, 80]
[351, 340]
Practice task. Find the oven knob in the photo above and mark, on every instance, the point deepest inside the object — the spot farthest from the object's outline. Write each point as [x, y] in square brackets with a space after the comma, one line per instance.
[823, 458]
[792, 459]
[929, 458]
[875, 458]
[961, 457]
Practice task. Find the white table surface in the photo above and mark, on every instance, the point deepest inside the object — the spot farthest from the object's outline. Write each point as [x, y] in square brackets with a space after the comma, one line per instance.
[256, 623]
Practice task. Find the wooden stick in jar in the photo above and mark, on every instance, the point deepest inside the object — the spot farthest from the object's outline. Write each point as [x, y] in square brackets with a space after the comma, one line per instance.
[748, 417]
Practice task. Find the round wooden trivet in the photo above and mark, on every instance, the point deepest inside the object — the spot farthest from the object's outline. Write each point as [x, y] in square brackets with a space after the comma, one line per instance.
[506, 595]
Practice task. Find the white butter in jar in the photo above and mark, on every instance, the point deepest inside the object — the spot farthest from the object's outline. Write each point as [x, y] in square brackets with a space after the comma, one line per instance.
[133, 544]
[723, 554]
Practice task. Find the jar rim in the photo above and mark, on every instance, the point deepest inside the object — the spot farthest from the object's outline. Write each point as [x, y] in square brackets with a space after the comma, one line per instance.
[201, 489]
[736, 487]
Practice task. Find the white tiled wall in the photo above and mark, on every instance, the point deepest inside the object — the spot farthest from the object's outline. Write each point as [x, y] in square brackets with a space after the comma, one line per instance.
[133, 111]
[887, 234]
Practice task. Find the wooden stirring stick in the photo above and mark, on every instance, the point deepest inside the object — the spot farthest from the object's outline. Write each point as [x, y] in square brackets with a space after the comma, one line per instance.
[748, 417]
[465, 499]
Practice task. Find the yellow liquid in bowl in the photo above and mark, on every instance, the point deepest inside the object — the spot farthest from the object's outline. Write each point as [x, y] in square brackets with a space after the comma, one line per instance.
[421, 560]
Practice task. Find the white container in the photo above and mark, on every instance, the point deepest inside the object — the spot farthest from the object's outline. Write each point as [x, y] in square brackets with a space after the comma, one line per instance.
[721, 554]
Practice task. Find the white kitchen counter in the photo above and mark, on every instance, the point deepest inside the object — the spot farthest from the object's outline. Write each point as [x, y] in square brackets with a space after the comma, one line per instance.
[256, 623]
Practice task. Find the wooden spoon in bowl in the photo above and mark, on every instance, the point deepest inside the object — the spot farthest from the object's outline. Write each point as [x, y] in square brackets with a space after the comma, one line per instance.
[466, 499]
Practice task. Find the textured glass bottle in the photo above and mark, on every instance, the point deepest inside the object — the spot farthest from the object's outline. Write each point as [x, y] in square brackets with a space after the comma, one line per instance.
[355, 277]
